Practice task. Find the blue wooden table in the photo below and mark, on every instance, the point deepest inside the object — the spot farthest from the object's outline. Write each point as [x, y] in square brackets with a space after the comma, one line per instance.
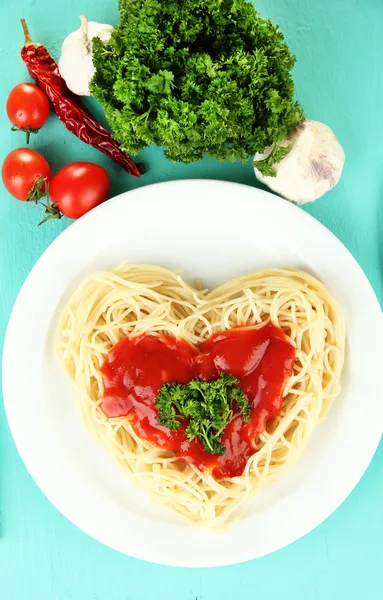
[339, 80]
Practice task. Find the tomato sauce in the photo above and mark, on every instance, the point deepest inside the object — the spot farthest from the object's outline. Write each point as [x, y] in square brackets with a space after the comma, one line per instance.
[135, 368]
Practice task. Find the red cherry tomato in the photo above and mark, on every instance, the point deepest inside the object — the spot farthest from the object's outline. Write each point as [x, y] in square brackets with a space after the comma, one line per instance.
[20, 170]
[27, 106]
[79, 187]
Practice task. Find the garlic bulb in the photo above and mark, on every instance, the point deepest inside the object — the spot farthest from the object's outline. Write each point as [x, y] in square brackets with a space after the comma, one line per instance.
[312, 166]
[75, 64]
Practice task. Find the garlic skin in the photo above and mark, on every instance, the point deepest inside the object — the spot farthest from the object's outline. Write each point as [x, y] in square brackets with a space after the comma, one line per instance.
[76, 64]
[311, 168]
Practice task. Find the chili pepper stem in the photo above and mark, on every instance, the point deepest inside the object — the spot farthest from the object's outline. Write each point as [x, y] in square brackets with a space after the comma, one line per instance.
[27, 37]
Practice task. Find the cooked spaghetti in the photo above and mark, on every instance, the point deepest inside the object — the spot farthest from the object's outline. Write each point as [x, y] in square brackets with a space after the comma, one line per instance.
[132, 300]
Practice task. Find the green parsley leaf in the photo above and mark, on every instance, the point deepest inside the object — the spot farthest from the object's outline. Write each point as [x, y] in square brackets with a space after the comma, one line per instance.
[267, 165]
[207, 407]
[198, 77]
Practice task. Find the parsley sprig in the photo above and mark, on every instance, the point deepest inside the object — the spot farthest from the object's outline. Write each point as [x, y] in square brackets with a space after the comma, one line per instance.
[207, 406]
[267, 165]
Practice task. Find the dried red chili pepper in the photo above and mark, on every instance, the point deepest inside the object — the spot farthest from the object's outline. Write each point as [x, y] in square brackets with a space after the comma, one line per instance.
[68, 107]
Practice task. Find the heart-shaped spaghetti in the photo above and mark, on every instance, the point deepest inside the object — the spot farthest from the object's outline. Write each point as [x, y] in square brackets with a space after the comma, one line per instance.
[134, 300]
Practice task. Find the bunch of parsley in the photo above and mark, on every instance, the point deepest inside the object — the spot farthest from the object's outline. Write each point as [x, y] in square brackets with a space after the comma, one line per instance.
[207, 407]
[200, 77]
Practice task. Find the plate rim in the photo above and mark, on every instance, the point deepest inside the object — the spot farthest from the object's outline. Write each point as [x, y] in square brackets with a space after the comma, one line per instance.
[7, 393]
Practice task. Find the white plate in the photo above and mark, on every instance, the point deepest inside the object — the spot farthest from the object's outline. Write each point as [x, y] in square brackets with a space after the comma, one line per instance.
[214, 231]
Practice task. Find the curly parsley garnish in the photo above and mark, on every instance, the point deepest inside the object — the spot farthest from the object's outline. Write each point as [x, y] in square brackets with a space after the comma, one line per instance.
[207, 406]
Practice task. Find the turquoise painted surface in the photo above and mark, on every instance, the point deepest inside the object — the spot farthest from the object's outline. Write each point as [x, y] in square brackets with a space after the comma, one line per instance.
[339, 80]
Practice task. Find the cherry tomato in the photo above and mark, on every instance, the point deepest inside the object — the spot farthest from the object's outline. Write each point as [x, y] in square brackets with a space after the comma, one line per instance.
[79, 187]
[27, 106]
[20, 170]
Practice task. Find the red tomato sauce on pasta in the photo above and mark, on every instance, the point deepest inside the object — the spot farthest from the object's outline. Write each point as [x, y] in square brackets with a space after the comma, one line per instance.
[135, 368]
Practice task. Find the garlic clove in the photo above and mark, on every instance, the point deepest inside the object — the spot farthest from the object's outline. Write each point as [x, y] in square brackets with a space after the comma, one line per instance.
[76, 64]
[311, 168]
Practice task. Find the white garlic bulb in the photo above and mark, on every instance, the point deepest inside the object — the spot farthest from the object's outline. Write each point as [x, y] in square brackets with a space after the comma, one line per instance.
[76, 64]
[312, 166]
